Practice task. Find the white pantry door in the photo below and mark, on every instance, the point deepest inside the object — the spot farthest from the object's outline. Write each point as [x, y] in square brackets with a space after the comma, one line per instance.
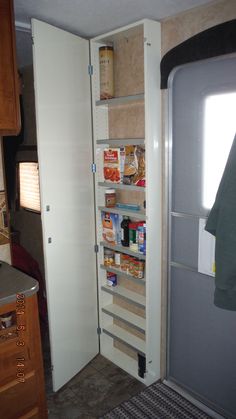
[64, 134]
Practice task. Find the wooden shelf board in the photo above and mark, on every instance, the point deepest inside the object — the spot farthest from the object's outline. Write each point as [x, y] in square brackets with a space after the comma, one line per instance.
[118, 142]
[121, 186]
[123, 249]
[126, 294]
[121, 273]
[140, 215]
[125, 337]
[126, 316]
[120, 100]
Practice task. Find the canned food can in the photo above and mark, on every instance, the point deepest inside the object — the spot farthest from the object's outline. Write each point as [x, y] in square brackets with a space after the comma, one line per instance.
[106, 72]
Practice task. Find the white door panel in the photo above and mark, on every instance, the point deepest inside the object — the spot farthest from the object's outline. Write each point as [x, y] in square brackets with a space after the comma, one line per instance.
[63, 114]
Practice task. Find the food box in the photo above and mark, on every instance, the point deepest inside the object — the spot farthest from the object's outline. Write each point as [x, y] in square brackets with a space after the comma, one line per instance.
[113, 162]
[111, 279]
[111, 230]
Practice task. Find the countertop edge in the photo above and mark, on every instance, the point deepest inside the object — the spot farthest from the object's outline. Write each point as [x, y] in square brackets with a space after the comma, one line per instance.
[13, 282]
[27, 293]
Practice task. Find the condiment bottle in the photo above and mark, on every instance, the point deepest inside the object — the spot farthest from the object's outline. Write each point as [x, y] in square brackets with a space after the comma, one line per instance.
[110, 198]
[125, 231]
[117, 259]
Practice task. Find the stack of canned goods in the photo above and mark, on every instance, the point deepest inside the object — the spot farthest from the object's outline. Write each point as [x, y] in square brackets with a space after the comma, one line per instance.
[132, 266]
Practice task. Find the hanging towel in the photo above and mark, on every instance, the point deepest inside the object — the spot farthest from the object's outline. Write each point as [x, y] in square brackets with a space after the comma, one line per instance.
[222, 224]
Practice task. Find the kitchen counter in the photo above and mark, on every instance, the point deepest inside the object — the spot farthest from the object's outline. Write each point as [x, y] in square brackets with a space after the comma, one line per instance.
[12, 282]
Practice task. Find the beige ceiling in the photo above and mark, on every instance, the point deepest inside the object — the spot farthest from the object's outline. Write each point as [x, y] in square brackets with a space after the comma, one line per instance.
[89, 18]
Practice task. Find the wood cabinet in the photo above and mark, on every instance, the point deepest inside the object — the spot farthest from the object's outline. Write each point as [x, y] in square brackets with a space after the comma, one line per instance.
[22, 393]
[9, 86]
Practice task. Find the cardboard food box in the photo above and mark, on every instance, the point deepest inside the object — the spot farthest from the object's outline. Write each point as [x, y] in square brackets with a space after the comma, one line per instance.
[113, 164]
[111, 230]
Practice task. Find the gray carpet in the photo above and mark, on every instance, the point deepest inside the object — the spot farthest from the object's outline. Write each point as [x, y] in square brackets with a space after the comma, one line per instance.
[156, 402]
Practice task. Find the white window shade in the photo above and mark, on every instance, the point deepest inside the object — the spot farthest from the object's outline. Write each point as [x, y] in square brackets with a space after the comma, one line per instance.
[29, 186]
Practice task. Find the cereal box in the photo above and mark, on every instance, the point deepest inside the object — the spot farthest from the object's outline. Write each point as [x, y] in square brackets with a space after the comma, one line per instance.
[111, 230]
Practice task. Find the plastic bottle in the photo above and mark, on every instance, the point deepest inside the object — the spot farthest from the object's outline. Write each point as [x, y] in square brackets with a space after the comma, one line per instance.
[125, 231]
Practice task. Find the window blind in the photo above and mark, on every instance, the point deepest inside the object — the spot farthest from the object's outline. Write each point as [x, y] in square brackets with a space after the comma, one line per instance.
[29, 186]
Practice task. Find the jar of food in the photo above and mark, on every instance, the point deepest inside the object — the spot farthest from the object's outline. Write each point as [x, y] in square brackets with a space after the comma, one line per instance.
[109, 257]
[125, 263]
[110, 198]
[117, 259]
[106, 72]
[139, 269]
[132, 266]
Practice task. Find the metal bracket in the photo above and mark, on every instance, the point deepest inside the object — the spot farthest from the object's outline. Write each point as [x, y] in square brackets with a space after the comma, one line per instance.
[90, 70]
[93, 167]
[99, 330]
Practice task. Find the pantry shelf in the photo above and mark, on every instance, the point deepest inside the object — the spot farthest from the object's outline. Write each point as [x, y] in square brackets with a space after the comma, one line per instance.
[121, 186]
[125, 337]
[125, 316]
[140, 215]
[125, 294]
[124, 274]
[118, 142]
[123, 249]
[120, 100]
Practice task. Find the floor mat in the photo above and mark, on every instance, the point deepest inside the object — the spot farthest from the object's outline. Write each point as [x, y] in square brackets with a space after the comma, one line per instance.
[156, 402]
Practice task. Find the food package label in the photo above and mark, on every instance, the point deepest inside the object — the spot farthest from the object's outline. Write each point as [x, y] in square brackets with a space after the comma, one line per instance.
[111, 230]
[111, 279]
[111, 165]
[134, 168]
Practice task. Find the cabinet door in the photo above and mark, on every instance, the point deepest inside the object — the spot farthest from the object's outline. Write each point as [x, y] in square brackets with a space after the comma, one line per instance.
[9, 90]
[63, 116]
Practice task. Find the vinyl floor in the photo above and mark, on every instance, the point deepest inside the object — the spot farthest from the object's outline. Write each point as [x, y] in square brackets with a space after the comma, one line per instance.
[97, 389]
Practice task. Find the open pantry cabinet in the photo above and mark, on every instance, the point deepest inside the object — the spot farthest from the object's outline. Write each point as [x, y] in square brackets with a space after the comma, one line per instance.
[130, 312]
[82, 307]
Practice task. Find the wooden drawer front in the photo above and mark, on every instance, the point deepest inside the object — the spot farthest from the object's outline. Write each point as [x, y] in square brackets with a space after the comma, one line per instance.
[32, 414]
[9, 91]
[17, 398]
[13, 361]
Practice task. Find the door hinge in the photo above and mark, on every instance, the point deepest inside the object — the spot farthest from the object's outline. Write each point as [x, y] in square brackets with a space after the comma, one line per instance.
[32, 40]
[90, 70]
[93, 167]
[52, 368]
[96, 248]
[99, 330]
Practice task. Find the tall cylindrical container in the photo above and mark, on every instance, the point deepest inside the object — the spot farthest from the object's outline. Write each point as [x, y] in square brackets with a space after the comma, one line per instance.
[106, 72]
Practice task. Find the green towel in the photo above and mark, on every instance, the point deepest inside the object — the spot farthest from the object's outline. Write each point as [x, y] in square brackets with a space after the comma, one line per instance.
[222, 224]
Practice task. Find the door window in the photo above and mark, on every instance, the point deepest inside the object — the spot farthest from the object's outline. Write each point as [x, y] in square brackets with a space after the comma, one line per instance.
[219, 131]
